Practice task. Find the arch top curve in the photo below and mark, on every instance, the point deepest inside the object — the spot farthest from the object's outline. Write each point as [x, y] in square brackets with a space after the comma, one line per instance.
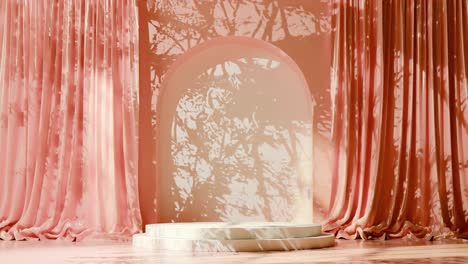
[229, 43]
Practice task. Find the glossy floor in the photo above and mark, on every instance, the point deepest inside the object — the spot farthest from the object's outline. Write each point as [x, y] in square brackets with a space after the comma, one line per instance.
[393, 251]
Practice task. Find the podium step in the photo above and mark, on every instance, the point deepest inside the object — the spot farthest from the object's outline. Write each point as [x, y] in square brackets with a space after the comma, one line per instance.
[234, 231]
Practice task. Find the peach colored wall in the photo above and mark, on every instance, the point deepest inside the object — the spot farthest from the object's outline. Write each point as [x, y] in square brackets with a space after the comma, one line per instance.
[299, 28]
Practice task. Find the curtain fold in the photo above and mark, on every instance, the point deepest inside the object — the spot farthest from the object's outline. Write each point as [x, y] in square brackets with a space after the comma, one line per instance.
[68, 119]
[400, 119]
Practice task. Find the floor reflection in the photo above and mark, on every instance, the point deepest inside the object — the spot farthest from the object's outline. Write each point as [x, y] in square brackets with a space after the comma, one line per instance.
[394, 251]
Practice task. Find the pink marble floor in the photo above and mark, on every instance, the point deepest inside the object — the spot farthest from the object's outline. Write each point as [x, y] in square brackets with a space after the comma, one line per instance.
[394, 251]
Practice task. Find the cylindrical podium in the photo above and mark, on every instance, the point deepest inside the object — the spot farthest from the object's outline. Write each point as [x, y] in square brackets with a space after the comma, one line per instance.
[233, 237]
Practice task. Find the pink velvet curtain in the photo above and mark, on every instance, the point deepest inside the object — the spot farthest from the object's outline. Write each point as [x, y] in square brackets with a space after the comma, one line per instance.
[68, 128]
[400, 118]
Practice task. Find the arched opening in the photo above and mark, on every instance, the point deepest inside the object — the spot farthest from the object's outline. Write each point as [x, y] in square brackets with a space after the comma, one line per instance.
[235, 139]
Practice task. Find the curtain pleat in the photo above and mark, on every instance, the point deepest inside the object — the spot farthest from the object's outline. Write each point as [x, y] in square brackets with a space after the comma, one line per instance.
[400, 118]
[68, 119]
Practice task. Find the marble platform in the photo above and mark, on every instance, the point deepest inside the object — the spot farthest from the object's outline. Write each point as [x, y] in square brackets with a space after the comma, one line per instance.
[232, 237]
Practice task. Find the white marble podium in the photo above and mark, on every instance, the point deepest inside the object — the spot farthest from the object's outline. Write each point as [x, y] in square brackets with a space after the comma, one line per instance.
[233, 237]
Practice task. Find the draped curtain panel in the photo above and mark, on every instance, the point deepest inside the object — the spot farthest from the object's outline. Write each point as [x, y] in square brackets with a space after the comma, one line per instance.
[68, 119]
[400, 119]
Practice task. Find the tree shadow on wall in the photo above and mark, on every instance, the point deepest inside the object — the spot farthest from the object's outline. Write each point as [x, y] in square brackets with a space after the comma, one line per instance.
[170, 28]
